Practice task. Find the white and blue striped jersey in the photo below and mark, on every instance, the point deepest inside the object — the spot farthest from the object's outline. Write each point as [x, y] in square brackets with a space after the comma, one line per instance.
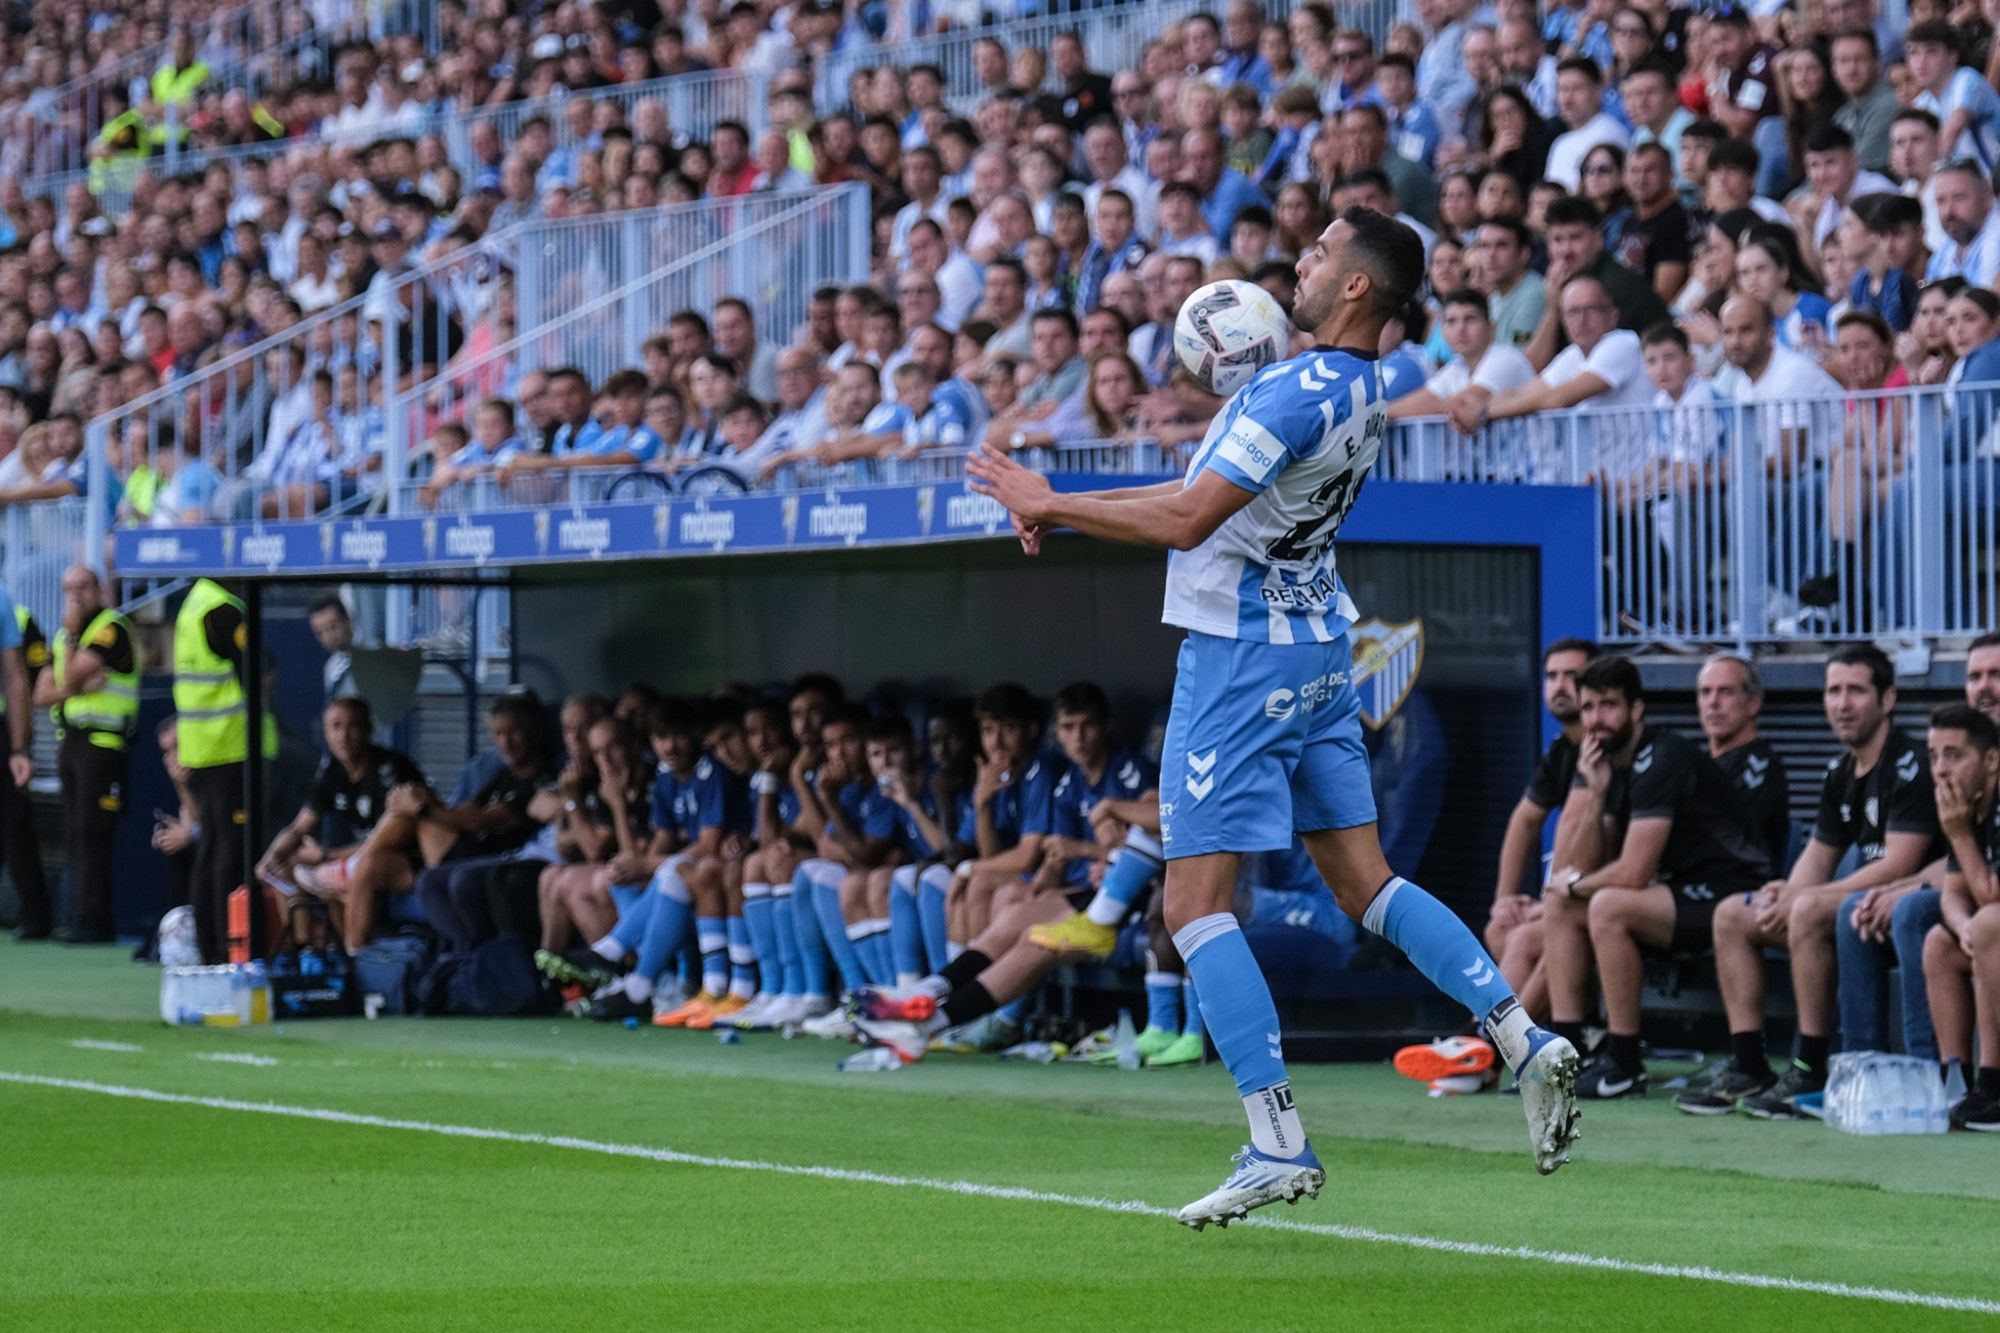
[1301, 437]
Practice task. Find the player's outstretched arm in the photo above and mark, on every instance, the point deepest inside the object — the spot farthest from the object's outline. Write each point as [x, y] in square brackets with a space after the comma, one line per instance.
[1168, 515]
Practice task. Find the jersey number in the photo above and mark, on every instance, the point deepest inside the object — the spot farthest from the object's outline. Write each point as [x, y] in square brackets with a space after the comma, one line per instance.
[1310, 537]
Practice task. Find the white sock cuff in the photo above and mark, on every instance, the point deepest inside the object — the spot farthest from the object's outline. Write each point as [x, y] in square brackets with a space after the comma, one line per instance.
[1378, 910]
[858, 930]
[783, 890]
[608, 949]
[1202, 930]
[1146, 845]
[667, 883]
[938, 877]
[952, 949]
[716, 943]
[742, 955]
[1163, 979]
[904, 880]
[828, 873]
[752, 892]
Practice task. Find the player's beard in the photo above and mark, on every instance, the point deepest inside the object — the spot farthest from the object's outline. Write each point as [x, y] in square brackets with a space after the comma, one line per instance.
[1304, 314]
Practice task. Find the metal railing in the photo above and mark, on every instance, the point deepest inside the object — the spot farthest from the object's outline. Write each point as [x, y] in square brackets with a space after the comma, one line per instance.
[693, 104]
[37, 542]
[1859, 516]
[769, 251]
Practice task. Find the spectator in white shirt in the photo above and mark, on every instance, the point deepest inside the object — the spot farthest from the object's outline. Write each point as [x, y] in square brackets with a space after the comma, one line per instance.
[1580, 101]
[1478, 361]
[1796, 405]
[1602, 366]
[923, 177]
[1972, 228]
[1834, 179]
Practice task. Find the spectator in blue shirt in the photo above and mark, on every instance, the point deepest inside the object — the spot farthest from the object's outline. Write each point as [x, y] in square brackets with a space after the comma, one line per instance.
[1225, 191]
[1414, 131]
[1242, 23]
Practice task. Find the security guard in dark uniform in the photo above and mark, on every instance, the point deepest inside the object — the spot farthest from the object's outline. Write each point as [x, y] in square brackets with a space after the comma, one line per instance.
[17, 812]
[92, 691]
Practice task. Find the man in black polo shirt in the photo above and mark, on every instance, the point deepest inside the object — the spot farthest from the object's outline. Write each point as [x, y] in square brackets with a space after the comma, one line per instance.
[1514, 927]
[348, 797]
[1730, 696]
[1685, 846]
[1653, 235]
[1877, 796]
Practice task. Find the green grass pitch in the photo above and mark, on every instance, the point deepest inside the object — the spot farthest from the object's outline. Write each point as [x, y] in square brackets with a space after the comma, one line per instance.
[319, 1175]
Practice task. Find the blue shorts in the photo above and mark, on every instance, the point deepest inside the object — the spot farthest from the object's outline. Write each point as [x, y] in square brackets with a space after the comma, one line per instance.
[1263, 740]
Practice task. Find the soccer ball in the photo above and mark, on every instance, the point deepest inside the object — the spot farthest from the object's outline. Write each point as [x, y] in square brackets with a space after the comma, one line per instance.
[1227, 332]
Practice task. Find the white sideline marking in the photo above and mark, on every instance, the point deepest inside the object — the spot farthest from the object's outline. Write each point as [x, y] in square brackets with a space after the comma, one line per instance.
[237, 1058]
[121, 1047]
[1014, 1193]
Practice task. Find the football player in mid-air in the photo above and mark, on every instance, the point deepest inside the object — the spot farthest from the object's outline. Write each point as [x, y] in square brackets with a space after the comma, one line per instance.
[1264, 737]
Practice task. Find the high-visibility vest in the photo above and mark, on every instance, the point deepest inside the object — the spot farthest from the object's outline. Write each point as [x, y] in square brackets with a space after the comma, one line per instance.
[209, 710]
[34, 649]
[119, 168]
[109, 714]
[176, 87]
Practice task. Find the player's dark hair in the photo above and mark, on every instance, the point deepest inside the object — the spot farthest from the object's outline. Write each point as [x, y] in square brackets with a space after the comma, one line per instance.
[524, 710]
[816, 682]
[1583, 65]
[1008, 702]
[1086, 697]
[725, 714]
[889, 728]
[1588, 647]
[1934, 32]
[1614, 673]
[1706, 131]
[1513, 227]
[1990, 639]
[1390, 253]
[1057, 315]
[846, 715]
[328, 602]
[1827, 137]
[1978, 727]
[670, 717]
[1881, 672]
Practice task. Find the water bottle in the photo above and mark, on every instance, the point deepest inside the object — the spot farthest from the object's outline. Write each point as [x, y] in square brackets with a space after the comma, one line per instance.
[1954, 1083]
[874, 1060]
[1875, 1096]
[1039, 1052]
[1125, 1043]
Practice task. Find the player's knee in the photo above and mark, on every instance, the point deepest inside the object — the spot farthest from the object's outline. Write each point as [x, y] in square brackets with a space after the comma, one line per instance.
[1983, 932]
[1608, 914]
[1812, 916]
[1941, 951]
[1733, 920]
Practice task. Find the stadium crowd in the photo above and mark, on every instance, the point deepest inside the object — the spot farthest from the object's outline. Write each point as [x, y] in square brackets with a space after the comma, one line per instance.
[1676, 212]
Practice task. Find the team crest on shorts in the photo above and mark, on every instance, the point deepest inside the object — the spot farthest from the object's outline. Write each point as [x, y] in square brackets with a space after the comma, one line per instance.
[1387, 659]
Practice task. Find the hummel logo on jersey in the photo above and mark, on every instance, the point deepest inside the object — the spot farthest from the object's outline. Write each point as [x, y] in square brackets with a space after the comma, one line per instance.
[1754, 770]
[1699, 893]
[1871, 812]
[1906, 767]
[1201, 763]
[1128, 776]
[1480, 973]
[1643, 760]
[1312, 384]
[1203, 766]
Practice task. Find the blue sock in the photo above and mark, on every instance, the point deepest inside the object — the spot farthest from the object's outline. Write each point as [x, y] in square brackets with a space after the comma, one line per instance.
[667, 924]
[833, 928]
[1191, 1025]
[757, 914]
[1013, 1010]
[1434, 939]
[791, 978]
[1163, 1001]
[631, 927]
[1131, 869]
[930, 909]
[712, 937]
[906, 929]
[877, 960]
[742, 957]
[812, 946]
[1236, 1005]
